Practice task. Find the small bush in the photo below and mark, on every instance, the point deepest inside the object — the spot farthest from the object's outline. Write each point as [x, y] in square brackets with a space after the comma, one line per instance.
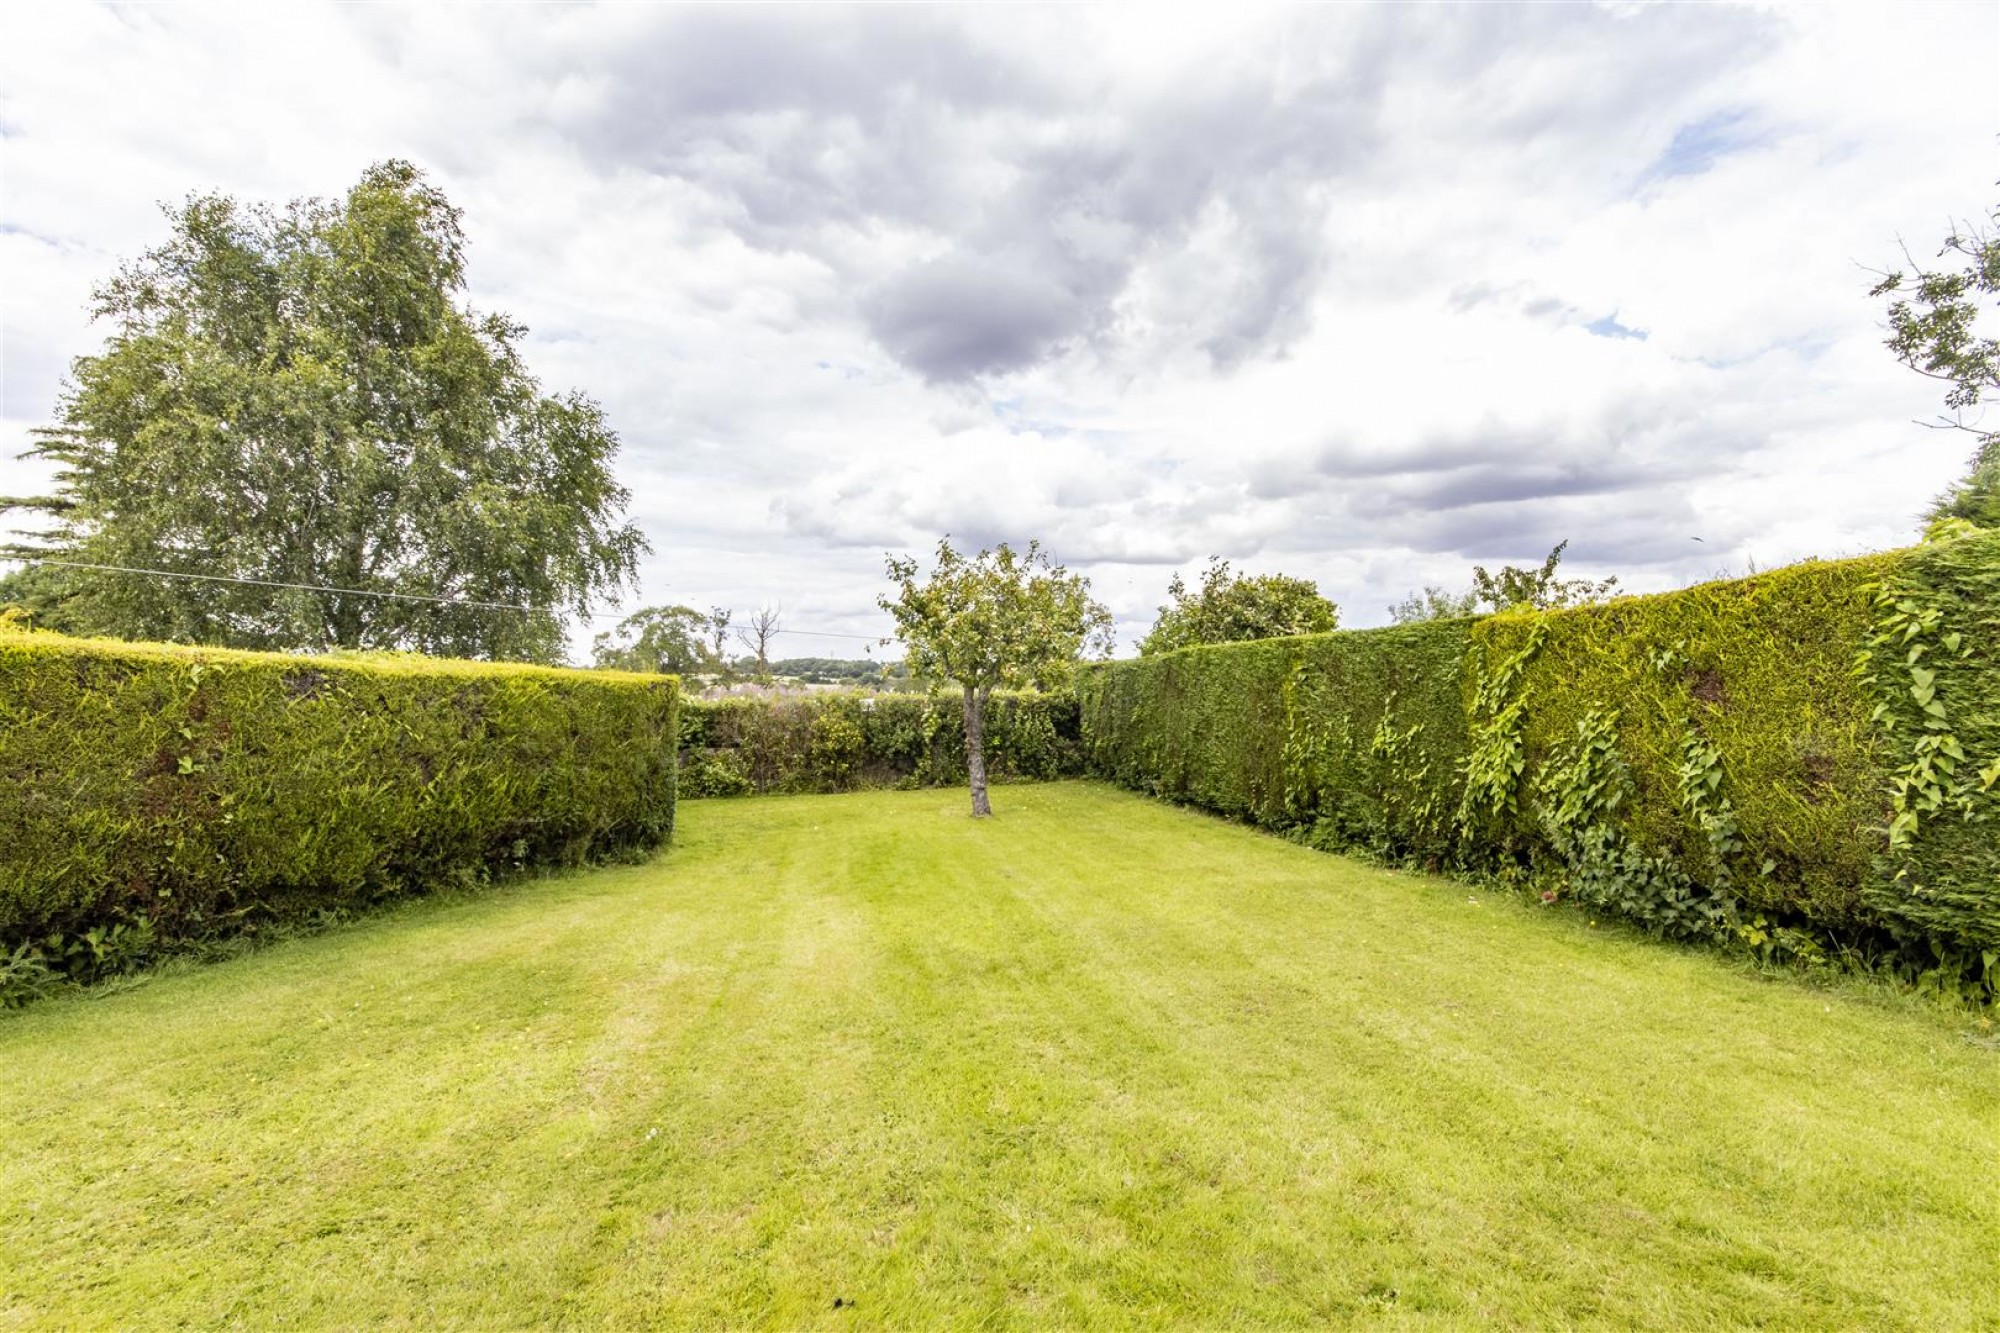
[25, 976]
[102, 951]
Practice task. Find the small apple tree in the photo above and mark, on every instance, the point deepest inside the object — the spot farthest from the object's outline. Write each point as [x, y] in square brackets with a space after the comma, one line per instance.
[1000, 619]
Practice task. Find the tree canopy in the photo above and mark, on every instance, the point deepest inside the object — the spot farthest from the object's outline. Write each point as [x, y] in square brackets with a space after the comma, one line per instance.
[1935, 328]
[999, 619]
[1513, 586]
[301, 397]
[1435, 602]
[670, 639]
[1228, 608]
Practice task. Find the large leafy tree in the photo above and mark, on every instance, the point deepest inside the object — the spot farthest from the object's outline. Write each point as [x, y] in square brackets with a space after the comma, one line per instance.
[1939, 326]
[673, 639]
[999, 619]
[301, 397]
[1229, 608]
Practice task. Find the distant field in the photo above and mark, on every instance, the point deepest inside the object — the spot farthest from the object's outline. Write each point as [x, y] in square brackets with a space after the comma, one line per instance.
[857, 1060]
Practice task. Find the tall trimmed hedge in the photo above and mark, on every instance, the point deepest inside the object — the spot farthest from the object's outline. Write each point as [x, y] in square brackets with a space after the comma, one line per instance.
[1356, 735]
[1815, 750]
[843, 742]
[1690, 749]
[1939, 712]
[196, 788]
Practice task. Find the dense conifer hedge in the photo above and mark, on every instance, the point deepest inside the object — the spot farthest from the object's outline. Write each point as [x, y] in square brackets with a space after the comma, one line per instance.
[1356, 734]
[1803, 758]
[843, 742]
[189, 791]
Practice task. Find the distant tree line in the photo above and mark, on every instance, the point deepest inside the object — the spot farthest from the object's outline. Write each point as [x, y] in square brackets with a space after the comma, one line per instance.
[683, 641]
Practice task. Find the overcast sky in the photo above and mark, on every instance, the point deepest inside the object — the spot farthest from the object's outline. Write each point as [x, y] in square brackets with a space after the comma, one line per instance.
[1365, 295]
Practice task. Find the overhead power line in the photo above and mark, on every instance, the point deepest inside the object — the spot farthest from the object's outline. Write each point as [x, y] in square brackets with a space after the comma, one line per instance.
[373, 592]
[296, 587]
[827, 634]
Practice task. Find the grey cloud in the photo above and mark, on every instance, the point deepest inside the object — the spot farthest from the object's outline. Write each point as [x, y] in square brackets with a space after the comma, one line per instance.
[821, 526]
[1270, 306]
[1620, 478]
[1118, 548]
[809, 118]
[1630, 532]
[804, 131]
[1437, 464]
[1622, 529]
[960, 316]
[703, 63]
[1041, 196]
[1515, 481]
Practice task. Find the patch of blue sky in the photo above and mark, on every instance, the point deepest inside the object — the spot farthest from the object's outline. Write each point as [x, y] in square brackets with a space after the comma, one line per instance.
[1009, 412]
[1609, 327]
[1700, 144]
[42, 237]
[1809, 347]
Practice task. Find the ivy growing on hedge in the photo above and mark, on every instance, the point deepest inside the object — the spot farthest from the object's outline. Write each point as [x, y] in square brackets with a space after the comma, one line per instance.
[1932, 662]
[1803, 757]
[174, 793]
[844, 742]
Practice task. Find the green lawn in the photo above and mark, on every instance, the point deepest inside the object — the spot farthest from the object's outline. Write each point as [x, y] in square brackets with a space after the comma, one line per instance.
[858, 1060]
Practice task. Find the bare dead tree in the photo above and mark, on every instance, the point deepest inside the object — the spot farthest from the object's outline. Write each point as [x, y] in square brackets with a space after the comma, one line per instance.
[763, 626]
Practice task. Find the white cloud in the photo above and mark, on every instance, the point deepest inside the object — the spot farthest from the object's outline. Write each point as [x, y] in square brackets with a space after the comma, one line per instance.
[1307, 288]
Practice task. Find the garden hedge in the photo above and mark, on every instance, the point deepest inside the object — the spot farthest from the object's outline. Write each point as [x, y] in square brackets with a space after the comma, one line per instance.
[1811, 754]
[1356, 734]
[845, 741]
[195, 790]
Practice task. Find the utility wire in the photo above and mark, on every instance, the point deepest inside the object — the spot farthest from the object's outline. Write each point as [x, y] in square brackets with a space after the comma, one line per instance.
[371, 592]
[827, 634]
[296, 587]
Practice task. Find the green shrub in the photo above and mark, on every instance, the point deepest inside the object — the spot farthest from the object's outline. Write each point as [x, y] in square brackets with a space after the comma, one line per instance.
[25, 976]
[153, 794]
[1806, 756]
[714, 773]
[842, 742]
[835, 750]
